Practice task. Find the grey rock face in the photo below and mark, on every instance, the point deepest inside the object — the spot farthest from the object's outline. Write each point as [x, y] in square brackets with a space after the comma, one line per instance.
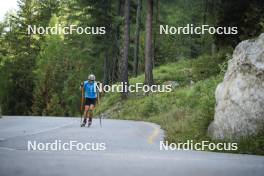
[239, 110]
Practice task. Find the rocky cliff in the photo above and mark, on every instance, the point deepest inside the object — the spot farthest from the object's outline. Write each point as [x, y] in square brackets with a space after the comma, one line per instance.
[239, 107]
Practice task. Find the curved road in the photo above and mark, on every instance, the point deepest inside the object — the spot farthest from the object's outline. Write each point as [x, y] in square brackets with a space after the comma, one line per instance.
[132, 148]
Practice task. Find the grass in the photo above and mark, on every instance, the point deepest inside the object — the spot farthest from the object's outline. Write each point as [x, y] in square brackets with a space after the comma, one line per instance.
[184, 113]
[181, 113]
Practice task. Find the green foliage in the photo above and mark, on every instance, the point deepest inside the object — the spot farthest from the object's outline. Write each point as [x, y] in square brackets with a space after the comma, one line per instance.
[150, 107]
[207, 65]
[18, 57]
[247, 15]
[186, 112]
[57, 78]
[183, 113]
[34, 67]
[186, 71]
[54, 107]
[252, 145]
[109, 100]
[183, 72]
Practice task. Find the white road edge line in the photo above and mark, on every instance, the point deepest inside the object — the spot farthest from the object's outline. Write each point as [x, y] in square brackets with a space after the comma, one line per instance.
[38, 132]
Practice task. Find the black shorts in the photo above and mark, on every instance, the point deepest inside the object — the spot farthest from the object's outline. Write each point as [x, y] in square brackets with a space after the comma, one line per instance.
[90, 101]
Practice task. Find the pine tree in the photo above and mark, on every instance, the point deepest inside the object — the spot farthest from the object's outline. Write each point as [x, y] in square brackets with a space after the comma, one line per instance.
[149, 45]
[126, 38]
[137, 34]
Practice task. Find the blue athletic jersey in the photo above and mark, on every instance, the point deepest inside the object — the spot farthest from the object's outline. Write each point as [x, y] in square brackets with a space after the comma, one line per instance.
[89, 89]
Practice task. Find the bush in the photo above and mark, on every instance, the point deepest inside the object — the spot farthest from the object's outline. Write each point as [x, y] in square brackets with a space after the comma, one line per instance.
[54, 108]
[149, 108]
[187, 71]
[206, 66]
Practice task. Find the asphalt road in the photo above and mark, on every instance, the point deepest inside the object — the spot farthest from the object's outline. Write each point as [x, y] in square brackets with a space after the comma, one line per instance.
[131, 148]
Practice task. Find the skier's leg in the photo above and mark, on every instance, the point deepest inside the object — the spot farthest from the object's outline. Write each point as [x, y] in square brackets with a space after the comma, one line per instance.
[90, 112]
[85, 115]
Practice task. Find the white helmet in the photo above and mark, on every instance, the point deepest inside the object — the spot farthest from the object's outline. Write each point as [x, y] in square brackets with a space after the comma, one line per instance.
[91, 77]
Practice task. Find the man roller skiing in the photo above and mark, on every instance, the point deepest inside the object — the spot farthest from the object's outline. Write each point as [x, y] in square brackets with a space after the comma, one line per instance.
[91, 96]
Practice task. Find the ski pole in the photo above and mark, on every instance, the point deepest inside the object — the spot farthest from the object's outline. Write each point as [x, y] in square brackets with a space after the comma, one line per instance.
[100, 116]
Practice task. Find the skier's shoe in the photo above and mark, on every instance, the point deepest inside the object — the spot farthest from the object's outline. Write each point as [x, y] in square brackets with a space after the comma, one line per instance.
[89, 122]
[84, 123]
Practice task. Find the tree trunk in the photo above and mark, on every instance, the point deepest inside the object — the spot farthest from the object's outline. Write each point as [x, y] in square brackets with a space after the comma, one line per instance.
[106, 69]
[148, 47]
[204, 20]
[205, 11]
[212, 10]
[115, 72]
[108, 59]
[124, 60]
[155, 32]
[137, 34]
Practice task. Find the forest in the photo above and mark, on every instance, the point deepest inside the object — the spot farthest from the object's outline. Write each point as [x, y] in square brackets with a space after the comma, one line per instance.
[40, 74]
